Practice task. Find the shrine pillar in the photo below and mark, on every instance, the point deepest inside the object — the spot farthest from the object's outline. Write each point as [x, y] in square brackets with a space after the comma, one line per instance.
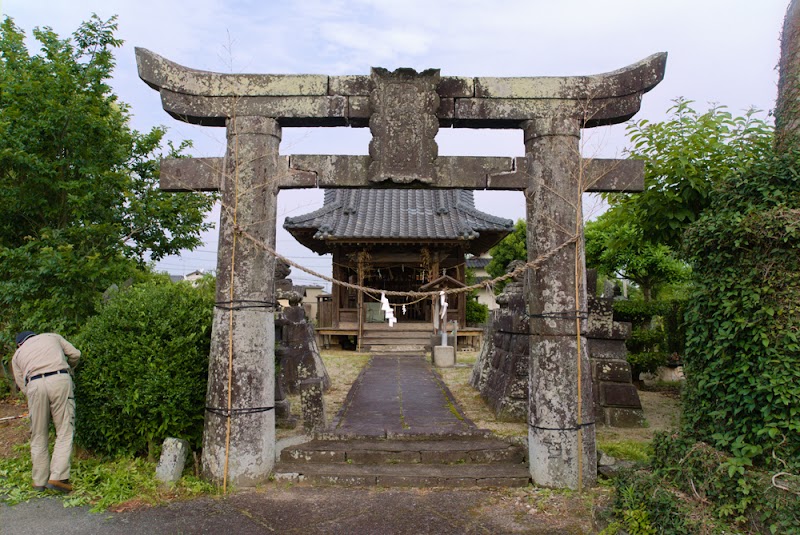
[239, 434]
[561, 431]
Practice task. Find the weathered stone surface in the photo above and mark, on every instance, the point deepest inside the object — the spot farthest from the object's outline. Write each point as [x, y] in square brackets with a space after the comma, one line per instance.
[299, 354]
[378, 457]
[292, 111]
[444, 356]
[313, 403]
[501, 372]
[554, 388]
[248, 331]
[609, 349]
[476, 103]
[191, 174]
[159, 72]
[173, 458]
[469, 172]
[464, 172]
[619, 395]
[563, 458]
[622, 417]
[350, 85]
[473, 112]
[602, 175]
[638, 77]
[616, 371]
[455, 87]
[404, 126]
[561, 412]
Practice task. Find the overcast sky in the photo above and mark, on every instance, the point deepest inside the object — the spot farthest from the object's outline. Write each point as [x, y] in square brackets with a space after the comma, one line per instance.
[720, 51]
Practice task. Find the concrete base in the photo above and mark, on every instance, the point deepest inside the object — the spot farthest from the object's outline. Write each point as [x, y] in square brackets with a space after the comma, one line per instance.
[444, 356]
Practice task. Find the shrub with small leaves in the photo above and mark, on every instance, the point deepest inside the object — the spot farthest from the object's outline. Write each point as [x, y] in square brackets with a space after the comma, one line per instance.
[144, 368]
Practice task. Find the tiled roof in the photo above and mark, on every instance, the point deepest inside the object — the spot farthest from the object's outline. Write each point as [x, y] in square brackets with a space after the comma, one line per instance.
[369, 215]
[478, 262]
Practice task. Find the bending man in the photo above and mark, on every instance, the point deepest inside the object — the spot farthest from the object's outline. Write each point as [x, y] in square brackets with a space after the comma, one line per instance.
[42, 366]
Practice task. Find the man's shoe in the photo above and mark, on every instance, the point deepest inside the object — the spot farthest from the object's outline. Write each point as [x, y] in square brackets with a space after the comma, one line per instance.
[59, 485]
[39, 488]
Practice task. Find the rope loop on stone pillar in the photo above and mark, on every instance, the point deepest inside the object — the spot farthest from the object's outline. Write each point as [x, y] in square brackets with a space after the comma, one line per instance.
[235, 412]
[242, 304]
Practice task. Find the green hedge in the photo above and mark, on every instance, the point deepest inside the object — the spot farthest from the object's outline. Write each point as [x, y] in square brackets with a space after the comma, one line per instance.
[144, 369]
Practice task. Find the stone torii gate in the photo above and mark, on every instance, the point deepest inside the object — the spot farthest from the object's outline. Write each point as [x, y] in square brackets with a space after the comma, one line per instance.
[404, 110]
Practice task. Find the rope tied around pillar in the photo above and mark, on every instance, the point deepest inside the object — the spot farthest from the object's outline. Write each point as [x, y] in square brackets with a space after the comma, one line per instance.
[235, 412]
[243, 304]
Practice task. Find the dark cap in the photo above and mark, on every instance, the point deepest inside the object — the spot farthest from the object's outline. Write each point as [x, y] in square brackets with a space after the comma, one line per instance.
[24, 335]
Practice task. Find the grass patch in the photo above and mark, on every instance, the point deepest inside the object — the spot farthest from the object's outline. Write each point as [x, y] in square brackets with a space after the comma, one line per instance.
[343, 368]
[627, 450]
[102, 483]
[470, 401]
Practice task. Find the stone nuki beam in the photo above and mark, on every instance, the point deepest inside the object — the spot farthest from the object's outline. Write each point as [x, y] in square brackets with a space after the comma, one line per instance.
[325, 171]
[208, 98]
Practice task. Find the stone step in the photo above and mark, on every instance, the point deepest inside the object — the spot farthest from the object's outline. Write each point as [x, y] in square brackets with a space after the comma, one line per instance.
[372, 451]
[393, 349]
[395, 340]
[405, 475]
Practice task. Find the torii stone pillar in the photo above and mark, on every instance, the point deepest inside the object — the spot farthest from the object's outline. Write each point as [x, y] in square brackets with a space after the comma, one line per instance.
[243, 319]
[561, 431]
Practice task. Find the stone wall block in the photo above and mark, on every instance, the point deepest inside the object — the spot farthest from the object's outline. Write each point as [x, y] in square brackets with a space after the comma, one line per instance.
[622, 417]
[615, 371]
[607, 349]
[619, 395]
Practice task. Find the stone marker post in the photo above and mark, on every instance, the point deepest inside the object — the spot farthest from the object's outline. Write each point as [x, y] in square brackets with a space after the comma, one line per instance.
[561, 429]
[241, 363]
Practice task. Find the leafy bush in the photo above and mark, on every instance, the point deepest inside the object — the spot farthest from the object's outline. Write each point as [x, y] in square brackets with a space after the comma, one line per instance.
[743, 320]
[639, 313]
[694, 488]
[658, 334]
[642, 340]
[477, 313]
[144, 368]
[646, 362]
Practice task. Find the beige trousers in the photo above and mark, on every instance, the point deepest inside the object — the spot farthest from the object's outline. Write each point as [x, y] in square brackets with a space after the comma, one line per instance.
[51, 396]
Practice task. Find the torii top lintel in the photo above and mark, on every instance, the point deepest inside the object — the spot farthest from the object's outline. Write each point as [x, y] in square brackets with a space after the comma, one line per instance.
[209, 98]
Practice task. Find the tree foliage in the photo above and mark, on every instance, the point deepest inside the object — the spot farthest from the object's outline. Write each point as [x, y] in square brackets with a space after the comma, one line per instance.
[685, 158]
[78, 186]
[512, 247]
[743, 320]
[619, 249]
[144, 368]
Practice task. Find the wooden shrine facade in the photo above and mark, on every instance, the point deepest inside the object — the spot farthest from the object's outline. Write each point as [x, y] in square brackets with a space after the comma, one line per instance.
[395, 240]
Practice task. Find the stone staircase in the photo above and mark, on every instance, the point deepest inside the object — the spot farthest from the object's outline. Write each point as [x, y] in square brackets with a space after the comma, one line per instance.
[448, 461]
[403, 337]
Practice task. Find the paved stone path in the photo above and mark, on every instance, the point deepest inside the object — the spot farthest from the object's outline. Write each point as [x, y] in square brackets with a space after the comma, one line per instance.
[400, 395]
[301, 510]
